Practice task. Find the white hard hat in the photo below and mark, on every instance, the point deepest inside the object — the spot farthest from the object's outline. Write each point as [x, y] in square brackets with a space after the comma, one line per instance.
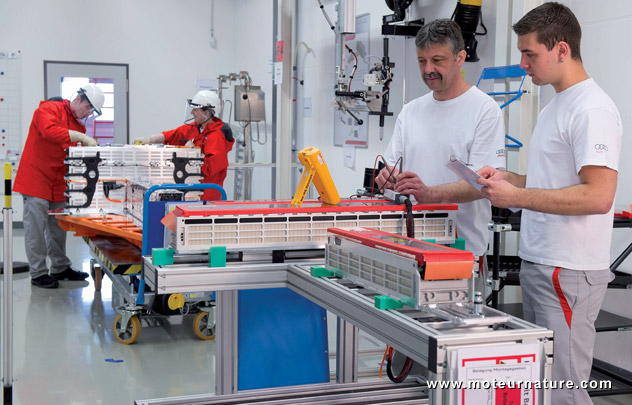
[205, 99]
[94, 95]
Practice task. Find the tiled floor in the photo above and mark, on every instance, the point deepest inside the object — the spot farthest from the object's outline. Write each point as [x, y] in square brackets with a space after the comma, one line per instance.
[65, 353]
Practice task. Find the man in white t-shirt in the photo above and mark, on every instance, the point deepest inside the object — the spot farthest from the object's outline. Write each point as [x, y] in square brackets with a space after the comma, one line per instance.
[454, 119]
[567, 195]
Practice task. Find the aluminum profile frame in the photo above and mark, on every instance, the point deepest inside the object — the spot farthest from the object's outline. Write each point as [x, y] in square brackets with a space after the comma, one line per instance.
[413, 333]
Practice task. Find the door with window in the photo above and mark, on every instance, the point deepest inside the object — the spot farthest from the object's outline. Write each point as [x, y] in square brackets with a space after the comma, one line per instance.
[63, 79]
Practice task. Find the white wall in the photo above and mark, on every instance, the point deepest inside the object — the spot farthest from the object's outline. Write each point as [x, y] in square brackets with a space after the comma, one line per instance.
[252, 53]
[606, 28]
[165, 43]
[318, 69]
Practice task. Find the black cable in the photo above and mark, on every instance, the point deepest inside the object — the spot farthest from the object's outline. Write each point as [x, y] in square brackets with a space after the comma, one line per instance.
[410, 222]
[355, 66]
[373, 175]
[482, 25]
[410, 232]
[355, 117]
[322, 8]
[390, 172]
[408, 365]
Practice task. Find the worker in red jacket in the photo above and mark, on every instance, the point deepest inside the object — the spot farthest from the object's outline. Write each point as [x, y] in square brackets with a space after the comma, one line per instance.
[56, 125]
[203, 130]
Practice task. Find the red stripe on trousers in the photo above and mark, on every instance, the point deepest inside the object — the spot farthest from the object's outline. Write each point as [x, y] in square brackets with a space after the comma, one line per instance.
[480, 266]
[568, 313]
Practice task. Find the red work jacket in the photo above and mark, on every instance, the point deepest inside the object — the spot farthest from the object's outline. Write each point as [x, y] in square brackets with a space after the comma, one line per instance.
[215, 148]
[42, 169]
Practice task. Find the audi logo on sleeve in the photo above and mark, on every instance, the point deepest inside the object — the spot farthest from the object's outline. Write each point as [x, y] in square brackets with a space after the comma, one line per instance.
[600, 147]
[500, 152]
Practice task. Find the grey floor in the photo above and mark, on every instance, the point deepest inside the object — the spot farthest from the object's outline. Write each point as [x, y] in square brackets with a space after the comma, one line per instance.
[64, 351]
[63, 340]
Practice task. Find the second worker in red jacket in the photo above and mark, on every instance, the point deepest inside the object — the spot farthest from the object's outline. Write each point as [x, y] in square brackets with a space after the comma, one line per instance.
[203, 130]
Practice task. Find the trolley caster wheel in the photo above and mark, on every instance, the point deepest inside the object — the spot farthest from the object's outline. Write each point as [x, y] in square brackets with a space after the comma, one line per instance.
[132, 331]
[201, 328]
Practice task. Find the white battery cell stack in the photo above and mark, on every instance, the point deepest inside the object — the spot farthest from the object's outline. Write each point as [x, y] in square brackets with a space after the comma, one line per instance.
[278, 225]
[143, 164]
[135, 197]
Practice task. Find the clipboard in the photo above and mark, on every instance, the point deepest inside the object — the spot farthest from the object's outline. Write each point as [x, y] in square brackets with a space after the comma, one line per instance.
[464, 172]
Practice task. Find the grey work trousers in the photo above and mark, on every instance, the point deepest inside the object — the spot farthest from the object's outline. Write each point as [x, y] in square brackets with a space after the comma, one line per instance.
[567, 302]
[43, 237]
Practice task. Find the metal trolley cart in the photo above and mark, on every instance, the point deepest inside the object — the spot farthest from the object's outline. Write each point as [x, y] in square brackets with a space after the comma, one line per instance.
[133, 299]
[116, 198]
[117, 246]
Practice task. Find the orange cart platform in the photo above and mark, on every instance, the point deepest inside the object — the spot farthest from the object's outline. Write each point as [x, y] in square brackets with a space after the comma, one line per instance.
[109, 225]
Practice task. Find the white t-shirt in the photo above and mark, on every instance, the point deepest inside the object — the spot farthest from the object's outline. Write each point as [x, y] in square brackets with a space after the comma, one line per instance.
[471, 128]
[581, 126]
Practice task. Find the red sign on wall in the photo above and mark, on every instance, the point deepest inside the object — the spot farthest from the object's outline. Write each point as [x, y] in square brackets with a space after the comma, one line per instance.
[279, 51]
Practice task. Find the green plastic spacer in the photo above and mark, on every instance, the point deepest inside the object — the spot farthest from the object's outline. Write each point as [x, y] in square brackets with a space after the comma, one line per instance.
[459, 243]
[386, 302]
[429, 240]
[217, 256]
[320, 271]
[161, 256]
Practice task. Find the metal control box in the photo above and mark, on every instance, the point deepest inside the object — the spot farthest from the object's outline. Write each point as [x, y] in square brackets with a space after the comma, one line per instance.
[249, 104]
